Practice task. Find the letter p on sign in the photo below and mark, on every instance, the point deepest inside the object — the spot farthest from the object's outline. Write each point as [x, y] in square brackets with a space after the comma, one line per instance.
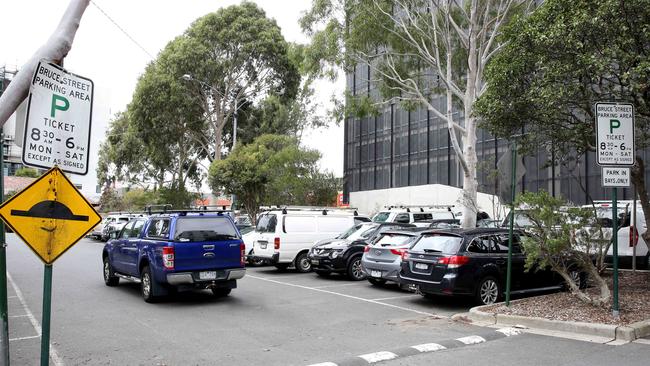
[63, 105]
[613, 123]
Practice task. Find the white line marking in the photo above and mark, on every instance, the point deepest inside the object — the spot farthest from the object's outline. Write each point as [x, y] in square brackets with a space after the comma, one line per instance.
[341, 285]
[471, 340]
[378, 356]
[395, 297]
[23, 338]
[54, 355]
[509, 331]
[19, 316]
[429, 347]
[351, 297]
[324, 364]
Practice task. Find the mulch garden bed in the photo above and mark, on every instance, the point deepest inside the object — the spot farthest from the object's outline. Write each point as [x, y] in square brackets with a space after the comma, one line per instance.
[634, 303]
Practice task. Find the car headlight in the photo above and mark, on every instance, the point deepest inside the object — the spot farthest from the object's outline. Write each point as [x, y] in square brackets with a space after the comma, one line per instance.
[334, 254]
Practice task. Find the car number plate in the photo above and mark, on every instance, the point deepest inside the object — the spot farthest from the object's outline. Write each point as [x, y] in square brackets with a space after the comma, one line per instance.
[262, 245]
[375, 273]
[208, 275]
[421, 266]
[315, 261]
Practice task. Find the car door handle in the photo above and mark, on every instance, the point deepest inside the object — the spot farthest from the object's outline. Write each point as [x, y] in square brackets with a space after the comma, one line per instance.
[208, 247]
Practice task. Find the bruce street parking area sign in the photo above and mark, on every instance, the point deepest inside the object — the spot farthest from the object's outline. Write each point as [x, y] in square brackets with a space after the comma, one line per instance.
[59, 114]
[615, 134]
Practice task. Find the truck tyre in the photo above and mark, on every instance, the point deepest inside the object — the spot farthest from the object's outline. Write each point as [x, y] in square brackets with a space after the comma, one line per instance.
[147, 285]
[488, 291]
[355, 272]
[302, 263]
[221, 292]
[110, 279]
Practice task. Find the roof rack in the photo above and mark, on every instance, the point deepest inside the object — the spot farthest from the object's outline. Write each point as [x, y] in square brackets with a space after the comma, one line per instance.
[323, 209]
[421, 207]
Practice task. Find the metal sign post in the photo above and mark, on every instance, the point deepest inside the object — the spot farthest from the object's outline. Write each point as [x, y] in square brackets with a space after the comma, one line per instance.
[615, 150]
[4, 311]
[512, 222]
[47, 311]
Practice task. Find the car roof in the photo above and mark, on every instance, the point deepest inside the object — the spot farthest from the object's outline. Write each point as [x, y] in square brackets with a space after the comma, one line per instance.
[470, 232]
[395, 224]
[415, 231]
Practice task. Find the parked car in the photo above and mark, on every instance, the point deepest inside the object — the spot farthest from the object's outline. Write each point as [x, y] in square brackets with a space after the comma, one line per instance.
[176, 251]
[417, 215]
[98, 232]
[382, 259]
[343, 253]
[472, 262]
[283, 237]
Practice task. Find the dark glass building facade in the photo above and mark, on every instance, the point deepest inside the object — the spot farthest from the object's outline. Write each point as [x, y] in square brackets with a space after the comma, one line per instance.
[406, 148]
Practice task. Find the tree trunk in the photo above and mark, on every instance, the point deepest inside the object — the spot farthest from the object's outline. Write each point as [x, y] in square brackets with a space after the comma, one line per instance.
[470, 184]
[218, 134]
[55, 49]
[638, 178]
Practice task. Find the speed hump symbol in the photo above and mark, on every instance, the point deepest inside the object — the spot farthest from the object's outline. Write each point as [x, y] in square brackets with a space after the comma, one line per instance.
[50, 215]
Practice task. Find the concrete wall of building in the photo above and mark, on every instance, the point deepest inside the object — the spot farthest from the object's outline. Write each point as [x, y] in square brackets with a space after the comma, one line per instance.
[432, 194]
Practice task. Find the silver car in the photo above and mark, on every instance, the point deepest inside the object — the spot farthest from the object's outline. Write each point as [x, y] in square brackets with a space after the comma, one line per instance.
[382, 259]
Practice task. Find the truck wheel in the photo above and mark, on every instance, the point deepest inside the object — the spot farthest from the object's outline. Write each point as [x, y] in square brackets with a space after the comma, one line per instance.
[355, 272]
[110, 279]
[303, 265]
[488, 291]
[146, 285]
[221, 292]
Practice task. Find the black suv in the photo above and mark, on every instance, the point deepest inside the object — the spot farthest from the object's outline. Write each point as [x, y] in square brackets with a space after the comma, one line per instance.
[343, 253]
[471, 262]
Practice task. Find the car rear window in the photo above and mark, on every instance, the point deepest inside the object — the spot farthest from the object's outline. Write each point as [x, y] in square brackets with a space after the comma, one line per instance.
[381, 217]
[198, 229]
[266, 223]
[448, 244]
[393, 239]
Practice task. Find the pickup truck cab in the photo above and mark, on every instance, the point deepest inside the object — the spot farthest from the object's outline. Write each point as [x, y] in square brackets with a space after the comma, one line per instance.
[176, 251]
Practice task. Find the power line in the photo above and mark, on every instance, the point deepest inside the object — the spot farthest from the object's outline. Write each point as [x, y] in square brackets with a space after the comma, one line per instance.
[122, 30]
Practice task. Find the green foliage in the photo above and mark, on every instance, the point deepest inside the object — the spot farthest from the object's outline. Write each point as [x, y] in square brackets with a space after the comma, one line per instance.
[111, 201]
[557, 63]
[273, 170]
[137, 199]
[27, 172]
[564, 238]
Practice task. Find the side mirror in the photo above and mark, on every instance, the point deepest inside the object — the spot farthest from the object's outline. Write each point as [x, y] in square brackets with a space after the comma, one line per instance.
[114, 234]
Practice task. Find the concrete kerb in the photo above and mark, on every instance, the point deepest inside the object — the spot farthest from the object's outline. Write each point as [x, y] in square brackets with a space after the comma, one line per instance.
[627, 333]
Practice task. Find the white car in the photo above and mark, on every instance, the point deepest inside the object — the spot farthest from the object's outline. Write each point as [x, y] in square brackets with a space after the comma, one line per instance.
[283, 237]
[631, 229]
[420, 216]
[98, 231]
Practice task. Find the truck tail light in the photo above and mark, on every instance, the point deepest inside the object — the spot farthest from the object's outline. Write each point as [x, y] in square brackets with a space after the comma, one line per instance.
[634, 236]
[168, 257]
[454, 261]
[242, 249]
[276, 243]
[366, 249]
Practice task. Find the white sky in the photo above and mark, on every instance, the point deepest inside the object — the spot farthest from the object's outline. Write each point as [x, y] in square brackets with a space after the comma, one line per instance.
[104, 54]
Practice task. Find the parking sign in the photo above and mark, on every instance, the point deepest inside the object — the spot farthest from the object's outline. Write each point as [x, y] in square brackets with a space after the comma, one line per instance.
[615, 134]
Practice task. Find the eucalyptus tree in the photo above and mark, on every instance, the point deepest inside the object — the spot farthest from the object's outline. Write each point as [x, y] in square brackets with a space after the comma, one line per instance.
[229, 57]
[417, 49]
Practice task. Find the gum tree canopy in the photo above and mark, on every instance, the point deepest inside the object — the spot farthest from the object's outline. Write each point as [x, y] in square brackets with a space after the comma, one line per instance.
[557, 64]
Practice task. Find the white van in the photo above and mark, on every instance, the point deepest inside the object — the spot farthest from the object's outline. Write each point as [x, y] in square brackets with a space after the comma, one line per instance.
[631, 228]
[417, 215]
[283, 237]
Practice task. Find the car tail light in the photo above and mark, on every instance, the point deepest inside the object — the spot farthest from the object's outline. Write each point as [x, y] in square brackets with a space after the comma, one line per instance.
[454, 261]
[366, 249]
[399, 252]
[276, 243]
[405, 255]
[634, 236]
[242, 249]
[168, 257]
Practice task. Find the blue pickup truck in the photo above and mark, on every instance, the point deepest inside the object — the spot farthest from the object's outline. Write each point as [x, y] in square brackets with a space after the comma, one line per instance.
[176, 251]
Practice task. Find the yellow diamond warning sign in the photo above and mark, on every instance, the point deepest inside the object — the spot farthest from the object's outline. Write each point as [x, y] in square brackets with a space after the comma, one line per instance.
[50, 215]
